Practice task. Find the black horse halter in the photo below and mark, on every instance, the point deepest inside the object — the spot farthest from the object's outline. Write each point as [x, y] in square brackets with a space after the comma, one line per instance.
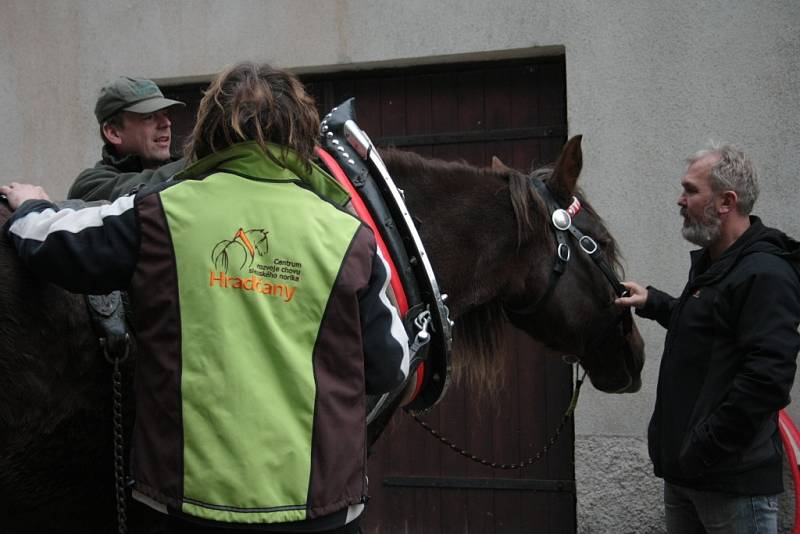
[561, 220]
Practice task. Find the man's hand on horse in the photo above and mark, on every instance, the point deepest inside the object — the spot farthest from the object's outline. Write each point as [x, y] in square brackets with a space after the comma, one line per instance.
[17, 193]
[637, 298]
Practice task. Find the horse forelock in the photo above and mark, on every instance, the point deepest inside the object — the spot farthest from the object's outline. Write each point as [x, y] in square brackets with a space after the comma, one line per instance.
[530, 211]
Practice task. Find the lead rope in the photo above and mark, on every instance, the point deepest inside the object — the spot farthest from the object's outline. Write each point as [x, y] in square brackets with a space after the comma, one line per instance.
[522, 463]
[119, 438]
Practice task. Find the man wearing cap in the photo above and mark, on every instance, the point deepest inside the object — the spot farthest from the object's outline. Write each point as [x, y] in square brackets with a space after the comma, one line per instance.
[136, 132]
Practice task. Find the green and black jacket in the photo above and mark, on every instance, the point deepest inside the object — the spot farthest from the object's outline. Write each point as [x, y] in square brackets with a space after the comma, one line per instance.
[261, 322]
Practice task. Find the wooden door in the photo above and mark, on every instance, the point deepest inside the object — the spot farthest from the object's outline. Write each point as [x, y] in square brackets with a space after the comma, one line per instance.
[515, 110]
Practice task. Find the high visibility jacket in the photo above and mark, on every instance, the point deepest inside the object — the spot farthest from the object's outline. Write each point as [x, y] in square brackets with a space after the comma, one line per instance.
[261, 320]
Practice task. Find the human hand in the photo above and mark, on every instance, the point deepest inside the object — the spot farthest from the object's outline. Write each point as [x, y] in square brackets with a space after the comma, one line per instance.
[637, 297]
[17, 193]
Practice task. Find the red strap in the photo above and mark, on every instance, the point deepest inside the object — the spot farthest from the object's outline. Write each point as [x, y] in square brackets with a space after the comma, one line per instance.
[363, 214]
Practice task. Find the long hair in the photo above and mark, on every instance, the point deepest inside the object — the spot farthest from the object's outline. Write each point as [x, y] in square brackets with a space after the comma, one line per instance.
[260, 103]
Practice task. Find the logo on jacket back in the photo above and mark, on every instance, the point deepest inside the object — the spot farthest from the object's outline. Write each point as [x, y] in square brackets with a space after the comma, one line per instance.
[238, 255]
[241, 249]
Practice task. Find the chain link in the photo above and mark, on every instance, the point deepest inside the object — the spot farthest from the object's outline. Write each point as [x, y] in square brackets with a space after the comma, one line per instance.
[119, 438]
[522, 463]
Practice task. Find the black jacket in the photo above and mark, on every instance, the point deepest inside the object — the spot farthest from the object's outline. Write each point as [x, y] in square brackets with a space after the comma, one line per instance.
[113, 176]
[728, 366]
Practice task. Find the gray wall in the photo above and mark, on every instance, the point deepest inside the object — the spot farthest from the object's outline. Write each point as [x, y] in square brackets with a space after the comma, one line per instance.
[648, 82]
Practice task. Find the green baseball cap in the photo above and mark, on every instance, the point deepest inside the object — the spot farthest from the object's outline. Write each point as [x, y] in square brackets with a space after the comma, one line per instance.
[138, 95]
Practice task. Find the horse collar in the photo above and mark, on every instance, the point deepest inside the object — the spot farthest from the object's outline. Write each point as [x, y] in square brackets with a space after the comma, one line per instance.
[351, 157]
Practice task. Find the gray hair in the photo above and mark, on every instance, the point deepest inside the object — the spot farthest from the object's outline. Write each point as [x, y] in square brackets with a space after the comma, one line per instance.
[733, 172]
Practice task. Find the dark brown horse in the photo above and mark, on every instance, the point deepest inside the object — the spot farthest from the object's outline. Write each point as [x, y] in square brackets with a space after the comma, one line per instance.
[488, 236]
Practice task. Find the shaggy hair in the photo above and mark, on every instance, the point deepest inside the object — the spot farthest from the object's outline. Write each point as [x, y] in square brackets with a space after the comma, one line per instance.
[260, 103]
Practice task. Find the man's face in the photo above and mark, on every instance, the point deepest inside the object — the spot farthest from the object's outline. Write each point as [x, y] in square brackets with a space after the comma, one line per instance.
[145, 135]
[698, 202]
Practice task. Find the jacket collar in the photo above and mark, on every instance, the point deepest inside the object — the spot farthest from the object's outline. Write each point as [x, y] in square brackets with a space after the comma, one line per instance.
[757, 238]
[128, 163]
[248, 159]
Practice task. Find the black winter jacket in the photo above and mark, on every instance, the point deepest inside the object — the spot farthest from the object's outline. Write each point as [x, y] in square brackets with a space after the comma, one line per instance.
[728, 366]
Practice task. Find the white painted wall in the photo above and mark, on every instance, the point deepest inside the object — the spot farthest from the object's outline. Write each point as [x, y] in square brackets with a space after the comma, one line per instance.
[648, 83]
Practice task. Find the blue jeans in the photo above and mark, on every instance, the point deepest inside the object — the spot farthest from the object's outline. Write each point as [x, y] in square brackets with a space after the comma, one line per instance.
[690, 511]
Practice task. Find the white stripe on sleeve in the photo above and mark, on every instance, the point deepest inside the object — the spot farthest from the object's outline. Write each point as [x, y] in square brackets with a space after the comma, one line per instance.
[37, 226]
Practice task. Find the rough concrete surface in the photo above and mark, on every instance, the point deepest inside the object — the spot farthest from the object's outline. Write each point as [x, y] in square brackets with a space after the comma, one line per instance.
[618, 494]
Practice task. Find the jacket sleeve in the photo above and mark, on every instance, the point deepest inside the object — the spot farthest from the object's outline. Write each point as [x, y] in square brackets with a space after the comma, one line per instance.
[105, 182]
[82, 248]
[766, 333]
[386, 355]
[658, 307]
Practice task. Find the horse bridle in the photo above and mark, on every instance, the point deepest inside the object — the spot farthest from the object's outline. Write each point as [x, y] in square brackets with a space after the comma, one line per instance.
[561, 221]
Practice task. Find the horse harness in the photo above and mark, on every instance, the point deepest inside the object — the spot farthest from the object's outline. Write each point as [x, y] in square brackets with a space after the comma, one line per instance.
[349, 155]
[368, 180]
[108, 314]
[561, 220]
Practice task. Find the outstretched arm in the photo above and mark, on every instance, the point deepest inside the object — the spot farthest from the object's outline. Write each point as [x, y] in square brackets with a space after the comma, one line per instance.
[82, 249]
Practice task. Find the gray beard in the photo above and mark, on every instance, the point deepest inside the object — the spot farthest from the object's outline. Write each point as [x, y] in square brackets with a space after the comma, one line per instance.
[703, 233]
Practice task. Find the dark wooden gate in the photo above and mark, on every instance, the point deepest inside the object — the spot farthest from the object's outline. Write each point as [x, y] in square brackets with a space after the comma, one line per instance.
[515, 110]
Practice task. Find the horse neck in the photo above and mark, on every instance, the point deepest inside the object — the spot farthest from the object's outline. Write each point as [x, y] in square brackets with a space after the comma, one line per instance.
[467, 224]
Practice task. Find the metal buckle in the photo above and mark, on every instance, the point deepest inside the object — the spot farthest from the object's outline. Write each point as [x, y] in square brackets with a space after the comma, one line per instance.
[591, 248]
[423, 323]
[563, 252]
[561, 219]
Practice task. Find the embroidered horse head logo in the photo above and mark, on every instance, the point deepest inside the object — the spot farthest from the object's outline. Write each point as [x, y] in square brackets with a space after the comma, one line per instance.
[242, 249]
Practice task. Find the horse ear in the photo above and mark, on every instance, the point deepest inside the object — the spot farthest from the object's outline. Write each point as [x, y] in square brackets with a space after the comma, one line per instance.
[567, 168]
[499, 166]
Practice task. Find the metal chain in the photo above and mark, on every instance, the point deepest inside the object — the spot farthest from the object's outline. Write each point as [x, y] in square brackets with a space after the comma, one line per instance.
[522, 463]
[119, 438]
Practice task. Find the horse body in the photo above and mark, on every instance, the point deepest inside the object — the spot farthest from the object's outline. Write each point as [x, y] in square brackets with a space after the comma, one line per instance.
[488, 252]
[55, 408]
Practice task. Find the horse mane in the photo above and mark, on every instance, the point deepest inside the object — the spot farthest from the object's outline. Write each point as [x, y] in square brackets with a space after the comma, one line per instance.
[478, 334]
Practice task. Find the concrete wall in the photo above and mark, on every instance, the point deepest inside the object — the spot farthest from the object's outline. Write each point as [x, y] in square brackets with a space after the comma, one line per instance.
[648, 82]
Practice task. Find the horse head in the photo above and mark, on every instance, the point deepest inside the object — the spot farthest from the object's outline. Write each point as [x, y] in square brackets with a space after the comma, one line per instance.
[565, 298]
